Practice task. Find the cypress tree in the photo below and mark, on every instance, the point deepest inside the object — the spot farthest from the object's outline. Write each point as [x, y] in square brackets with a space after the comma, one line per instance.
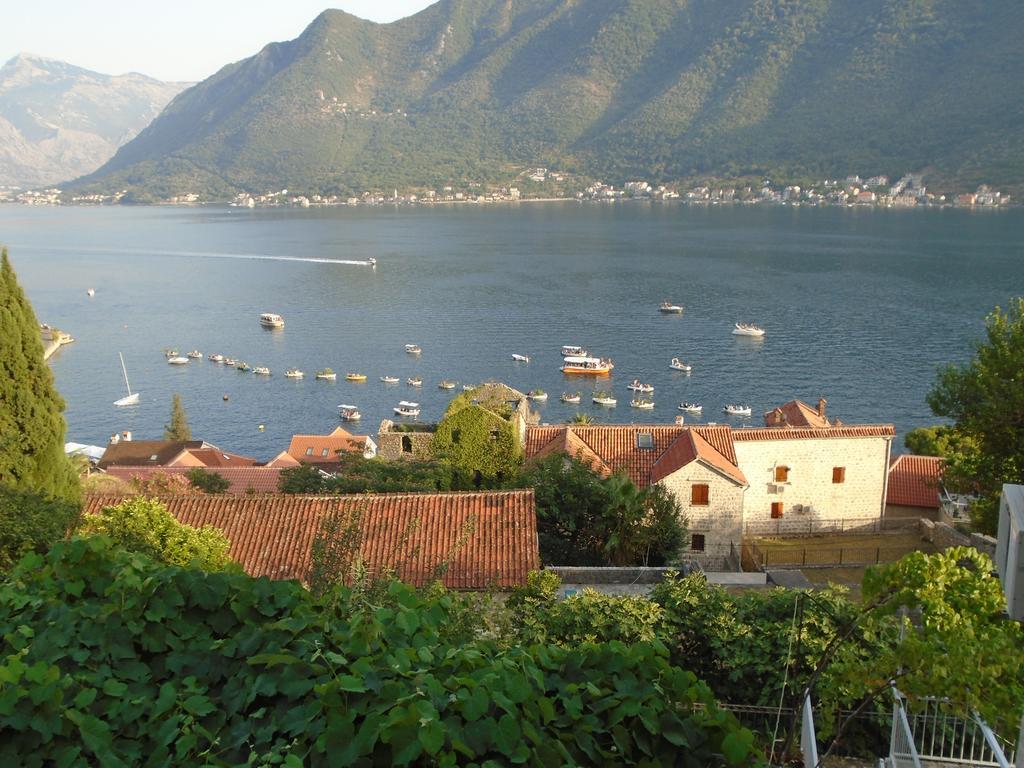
[178, 428]
[32, 426]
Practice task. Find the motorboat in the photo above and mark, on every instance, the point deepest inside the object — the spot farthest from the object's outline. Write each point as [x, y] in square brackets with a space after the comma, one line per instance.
[691, 407]
[538, 395]
[389, 379]
[177, 360]
[406, 408]
[132, 398]
[355, 377]
[604, 398]
[413, 349]
[371, 261]
[679, 365]
[520, 358]
[216, 358]
[637, 386]
[573, 351]
[737, 410]
[587, 365]
[195, 354]
[747, 329]
[642, 403]
[349, 413]
[243, 367]
[90, 293]
[261, 370]
[271, 320]
[468, 387]
[230, 361]
[294, 373]
[669, 308]
[414, 381]
[446, 384]
[573, 398]
[327, 374]
[171, 352]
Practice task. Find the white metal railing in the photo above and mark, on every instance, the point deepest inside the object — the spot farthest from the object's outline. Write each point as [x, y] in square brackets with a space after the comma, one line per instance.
[808, 739]
[902, 749]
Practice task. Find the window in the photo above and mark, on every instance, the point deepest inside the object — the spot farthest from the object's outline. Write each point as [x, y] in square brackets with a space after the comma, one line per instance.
[324, 452]
[456, 436]
[838, 474]
[406, 444]
[309, 451]
[776, 509]
[699, 494]
[645, 441]
[494, 435]
[781, 474]
[697, 542]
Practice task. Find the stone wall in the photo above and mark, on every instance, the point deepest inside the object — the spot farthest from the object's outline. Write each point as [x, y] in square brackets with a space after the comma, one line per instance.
[396, 445]
[945, 536]
[720, 521]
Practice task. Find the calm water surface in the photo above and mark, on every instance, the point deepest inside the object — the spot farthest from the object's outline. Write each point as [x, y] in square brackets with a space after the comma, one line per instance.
[860, 306]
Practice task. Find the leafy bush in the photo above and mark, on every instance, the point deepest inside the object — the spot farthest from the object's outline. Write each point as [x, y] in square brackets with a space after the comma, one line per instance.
[109, 658]
[31, 523]
[208, 482]
[144, 525]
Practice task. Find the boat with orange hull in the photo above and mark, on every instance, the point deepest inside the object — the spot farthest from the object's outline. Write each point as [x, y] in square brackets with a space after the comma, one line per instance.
[587, 365]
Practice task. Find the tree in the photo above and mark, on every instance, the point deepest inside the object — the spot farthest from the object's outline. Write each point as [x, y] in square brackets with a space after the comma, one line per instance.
[941, 440]
[144, 525]
[32, 426]
[305, 478]
[178, 428]
[208, 482]
[32, 523]
[985, 400]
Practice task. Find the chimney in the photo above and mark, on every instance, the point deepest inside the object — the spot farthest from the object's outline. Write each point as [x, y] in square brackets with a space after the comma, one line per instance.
[774, 418]
[680, 420]
[822, 402]
[115, 439]
[126, 436]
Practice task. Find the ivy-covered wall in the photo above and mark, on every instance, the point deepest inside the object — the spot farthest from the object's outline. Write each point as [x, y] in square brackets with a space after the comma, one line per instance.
[476, 440]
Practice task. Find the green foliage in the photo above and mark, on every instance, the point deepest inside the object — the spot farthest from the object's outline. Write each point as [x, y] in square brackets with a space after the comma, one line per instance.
[357, 474]
[31, 425]
[208, 482]
[178, 429]
[110, 659]
[584, 519]
[985, 400]
[305, 478]
[479, 443]
[144, 525]
[939, 441]
[31, 523]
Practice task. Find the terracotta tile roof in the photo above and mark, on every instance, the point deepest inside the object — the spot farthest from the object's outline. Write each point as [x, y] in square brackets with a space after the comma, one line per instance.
[796, 413]
[914, 481]
[146, 453]
[211, 457]
[272, 535]
[772, 433]
[566, 441]
[320, 449]
[615, 445]
[692, 447]
[259, 479]
[283, 459]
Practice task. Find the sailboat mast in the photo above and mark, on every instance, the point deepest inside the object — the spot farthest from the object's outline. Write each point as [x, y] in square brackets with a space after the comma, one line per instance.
[125, 371]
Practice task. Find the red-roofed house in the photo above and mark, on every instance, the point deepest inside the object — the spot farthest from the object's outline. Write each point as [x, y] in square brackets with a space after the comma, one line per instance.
[246, 479]
[797, 413]
[323, 450]
[484, 539]
[915, 485]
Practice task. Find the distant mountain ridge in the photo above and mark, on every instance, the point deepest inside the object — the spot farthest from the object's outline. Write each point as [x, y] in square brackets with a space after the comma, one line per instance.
[613, 89]
[59, 121]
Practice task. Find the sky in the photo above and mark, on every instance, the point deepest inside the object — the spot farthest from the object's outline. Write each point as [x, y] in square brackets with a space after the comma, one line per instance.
[171, 39]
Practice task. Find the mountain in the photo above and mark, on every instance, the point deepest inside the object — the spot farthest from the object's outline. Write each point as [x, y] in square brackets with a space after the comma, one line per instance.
[58, 121]
[611, 89]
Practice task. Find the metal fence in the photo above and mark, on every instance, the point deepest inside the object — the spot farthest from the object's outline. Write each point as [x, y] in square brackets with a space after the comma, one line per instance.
[762, 557]
[805, 526]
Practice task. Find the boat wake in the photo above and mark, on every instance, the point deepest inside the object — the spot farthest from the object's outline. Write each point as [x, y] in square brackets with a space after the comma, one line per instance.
[202, 255]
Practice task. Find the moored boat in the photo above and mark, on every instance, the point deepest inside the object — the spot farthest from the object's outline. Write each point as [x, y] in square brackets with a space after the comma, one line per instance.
[271, 320]
[171, 352]
[670, 308]
[747, 329]
[414, 381]
[570, 350]
[737, 410]
[177, 360]
[389, 379]
[520, 358]
[446, 384]
[355, 377]
[132, 398]
[327, 374]
[604, 398]
[195, 354]
[679, 365]
[691, 407]
[230, 361]
[294, 373]
[216, 358]
[587, 365]
[406, 408]
[349, 413]
[413, 349]
[261, 370]
[242, 366]
[637, 386]
[538, 395]
[570, 397]
[642, 403]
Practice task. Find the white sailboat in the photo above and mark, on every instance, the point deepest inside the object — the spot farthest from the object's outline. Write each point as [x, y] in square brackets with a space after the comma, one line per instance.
[132, 398]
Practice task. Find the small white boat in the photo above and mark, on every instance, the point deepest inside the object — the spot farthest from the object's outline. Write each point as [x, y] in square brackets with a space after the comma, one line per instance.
[642, 403]
[171, 352]
[326, 374]
[271, 320]
[413, 349]
[230, 361]
[349, 413]
[570, 350]
[537, 394]
[294, 373]
[468, 387]
[389, 379]
[92, 292]
[406, 408]
[216, 358]
[587, 365]
[243, 366]
[132, 398]
[747, 329]
[691, 407]
[446, 384]
[195, 354]
[637, 386]
[371, 261]
[608, 400]
[261, 370]
[178, 360]
[670, 308]
[415, 381]
[679, 365]
[737, 410]
[573, 398]
[520, 358]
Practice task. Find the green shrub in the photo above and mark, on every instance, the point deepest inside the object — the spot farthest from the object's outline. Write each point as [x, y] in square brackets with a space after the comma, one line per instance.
[208, 482]
[31, 523]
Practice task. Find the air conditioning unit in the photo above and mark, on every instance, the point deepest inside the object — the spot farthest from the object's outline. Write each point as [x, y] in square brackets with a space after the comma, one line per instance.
[776, 488]
[800, 509]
